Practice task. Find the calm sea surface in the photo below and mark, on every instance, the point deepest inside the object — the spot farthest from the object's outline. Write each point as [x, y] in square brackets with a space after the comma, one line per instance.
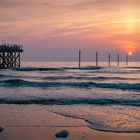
[108, 98]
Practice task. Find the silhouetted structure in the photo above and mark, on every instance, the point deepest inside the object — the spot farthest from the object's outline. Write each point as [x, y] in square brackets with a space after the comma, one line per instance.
[96, 59]
[126, 59]
[10, 55]
[109, 59]
[118, 60]
[79, 58]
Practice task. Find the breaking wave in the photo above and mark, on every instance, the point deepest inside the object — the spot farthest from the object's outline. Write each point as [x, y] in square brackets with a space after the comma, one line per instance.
[96, 124]
[71, 101]
[122, 86]
[8, 76]
[25, 83]
[37, 69]
[85, 78]
[56, 69]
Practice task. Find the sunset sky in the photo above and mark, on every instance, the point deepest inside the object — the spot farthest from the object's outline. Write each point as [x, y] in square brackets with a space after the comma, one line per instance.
[56, 29]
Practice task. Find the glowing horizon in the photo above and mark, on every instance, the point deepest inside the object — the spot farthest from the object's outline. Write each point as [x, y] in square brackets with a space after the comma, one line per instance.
[53, 28]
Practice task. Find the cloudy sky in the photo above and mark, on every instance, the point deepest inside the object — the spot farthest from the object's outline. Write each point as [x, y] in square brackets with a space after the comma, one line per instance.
[56, 29]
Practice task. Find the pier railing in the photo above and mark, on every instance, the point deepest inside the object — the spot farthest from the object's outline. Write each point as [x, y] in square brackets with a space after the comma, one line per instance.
[11, 47]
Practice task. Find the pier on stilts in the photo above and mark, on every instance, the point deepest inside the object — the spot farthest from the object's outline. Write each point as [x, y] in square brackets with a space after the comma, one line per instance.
[10, 55]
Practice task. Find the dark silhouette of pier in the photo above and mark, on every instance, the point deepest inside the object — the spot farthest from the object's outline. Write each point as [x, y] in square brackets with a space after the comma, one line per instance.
[10, 55]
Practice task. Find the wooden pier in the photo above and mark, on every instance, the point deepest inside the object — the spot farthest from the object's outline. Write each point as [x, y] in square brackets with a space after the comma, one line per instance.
[10, 55]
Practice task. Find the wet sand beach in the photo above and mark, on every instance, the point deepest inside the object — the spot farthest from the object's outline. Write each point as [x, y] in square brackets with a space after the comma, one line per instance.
[32, 123]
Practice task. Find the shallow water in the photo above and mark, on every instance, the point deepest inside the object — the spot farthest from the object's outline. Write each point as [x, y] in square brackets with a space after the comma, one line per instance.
[108, 98]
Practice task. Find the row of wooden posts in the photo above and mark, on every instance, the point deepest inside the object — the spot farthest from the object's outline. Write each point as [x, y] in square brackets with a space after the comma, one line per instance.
[109, 59]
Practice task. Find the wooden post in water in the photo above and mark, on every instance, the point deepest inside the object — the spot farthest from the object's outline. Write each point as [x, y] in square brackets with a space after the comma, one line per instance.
[96, 59]
[126, 59]
[109, 59]
[118, 60]
[79, 58]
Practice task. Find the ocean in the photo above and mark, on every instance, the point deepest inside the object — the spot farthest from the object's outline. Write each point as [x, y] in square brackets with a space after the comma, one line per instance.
[107, 98]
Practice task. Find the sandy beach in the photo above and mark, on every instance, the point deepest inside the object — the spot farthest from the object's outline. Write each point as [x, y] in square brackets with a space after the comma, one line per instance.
[39, 125]
[76, 133]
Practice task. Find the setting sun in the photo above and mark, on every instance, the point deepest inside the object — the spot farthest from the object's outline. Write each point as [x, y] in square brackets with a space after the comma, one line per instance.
[129, 53]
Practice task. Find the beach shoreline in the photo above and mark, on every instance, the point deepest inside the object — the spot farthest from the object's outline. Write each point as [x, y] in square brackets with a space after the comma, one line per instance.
[37, 125]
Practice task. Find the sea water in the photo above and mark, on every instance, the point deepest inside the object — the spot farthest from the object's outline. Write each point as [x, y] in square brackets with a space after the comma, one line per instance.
[107, 98]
